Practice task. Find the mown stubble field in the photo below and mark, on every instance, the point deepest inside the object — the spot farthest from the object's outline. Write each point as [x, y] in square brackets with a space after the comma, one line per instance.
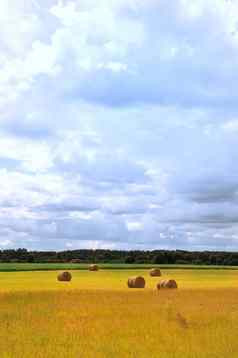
[96, 315]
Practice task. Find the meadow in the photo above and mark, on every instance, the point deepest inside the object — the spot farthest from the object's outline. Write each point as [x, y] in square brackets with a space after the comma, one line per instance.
[13, 267]
[96, 315]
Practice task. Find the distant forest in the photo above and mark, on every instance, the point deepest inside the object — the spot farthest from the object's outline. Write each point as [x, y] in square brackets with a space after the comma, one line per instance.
[116, 256]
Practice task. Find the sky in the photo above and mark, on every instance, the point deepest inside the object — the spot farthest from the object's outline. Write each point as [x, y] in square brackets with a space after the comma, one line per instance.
[119, 124]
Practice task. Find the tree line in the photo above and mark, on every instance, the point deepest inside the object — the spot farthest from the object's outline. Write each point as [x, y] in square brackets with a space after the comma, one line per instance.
[120, 256]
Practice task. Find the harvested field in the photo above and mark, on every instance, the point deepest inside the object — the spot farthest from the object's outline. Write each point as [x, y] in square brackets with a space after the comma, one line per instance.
[98, 316]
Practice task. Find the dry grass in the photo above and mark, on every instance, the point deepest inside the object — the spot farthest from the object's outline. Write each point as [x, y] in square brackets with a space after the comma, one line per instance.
[69, 322]
[116, 280]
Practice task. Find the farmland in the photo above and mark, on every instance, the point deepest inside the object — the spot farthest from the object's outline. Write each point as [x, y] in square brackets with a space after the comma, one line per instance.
[14, 267]
[96, 315]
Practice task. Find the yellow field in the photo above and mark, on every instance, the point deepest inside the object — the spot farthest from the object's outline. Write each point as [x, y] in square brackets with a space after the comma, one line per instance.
[96, 315]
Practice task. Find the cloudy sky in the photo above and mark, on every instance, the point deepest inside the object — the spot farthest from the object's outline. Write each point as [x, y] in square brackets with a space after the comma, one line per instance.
[119, 124]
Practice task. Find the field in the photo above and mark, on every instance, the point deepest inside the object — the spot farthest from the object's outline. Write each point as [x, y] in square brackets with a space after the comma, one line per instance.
[15, 267]
[96, 315]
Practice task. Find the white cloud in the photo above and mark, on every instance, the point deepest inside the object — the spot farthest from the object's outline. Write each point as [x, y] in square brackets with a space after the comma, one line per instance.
[5, 243]
[231, 126]
[134, 226]
[118, 124]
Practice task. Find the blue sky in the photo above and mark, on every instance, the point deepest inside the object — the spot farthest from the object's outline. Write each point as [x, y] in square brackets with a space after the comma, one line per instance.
[118, 124]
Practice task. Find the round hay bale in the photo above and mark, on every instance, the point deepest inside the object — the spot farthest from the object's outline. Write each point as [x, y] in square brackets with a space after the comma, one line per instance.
[155, 272]
[167, 284]
[75, 261]
[136, 282]
[93, 267]
[64, 276]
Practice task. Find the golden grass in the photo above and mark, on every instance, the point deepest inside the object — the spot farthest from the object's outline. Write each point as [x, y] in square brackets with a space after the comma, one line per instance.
[41, 317]
[116, 280]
